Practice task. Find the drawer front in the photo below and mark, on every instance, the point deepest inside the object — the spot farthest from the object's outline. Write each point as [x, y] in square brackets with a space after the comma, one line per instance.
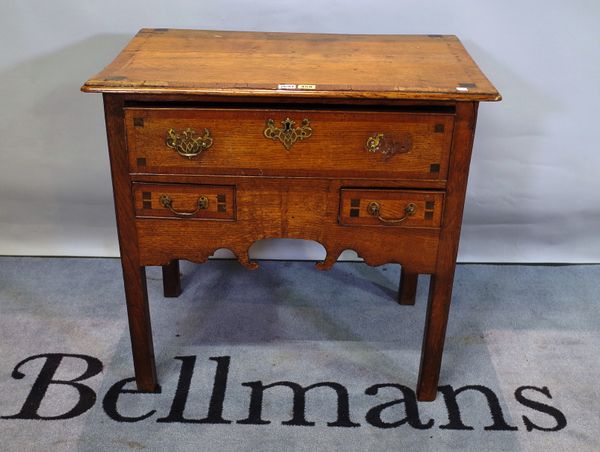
[311, 143]
[291, 208]
[391, 208]
[192, 202]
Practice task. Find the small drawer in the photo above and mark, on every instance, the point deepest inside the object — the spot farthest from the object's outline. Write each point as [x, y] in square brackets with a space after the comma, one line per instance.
[195, 202]
[391, 208]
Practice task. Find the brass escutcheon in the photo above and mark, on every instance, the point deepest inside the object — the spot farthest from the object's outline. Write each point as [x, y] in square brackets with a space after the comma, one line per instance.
[186, 144]
[288, 134]
[167, 202]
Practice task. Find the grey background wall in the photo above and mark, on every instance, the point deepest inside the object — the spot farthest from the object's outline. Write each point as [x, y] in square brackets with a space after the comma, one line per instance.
[534, 193]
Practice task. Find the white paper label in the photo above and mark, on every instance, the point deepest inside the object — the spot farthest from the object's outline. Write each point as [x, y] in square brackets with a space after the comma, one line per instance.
[294, 86]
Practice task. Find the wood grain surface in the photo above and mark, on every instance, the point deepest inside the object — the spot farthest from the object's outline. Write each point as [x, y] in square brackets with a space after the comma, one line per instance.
[172, 61]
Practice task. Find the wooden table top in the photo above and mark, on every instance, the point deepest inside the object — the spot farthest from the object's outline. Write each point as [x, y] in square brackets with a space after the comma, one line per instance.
[170, 61]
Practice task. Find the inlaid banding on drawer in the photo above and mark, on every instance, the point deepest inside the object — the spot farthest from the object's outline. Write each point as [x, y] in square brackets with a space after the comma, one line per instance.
[391, 208]
[344, 143]
[194, 202]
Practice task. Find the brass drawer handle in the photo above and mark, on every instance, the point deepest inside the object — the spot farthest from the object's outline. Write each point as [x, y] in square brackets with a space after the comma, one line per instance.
[167, 202]
[389, 146]
[186, 144]
[375, 209]
[288, 134]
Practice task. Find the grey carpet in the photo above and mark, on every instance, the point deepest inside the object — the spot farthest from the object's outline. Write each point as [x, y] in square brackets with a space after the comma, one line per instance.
[526, 335]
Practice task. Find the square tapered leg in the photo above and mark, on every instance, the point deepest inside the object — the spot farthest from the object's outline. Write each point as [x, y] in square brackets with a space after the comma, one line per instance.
[171, 279]
[438, 306]
[140, 329]
[408, 287]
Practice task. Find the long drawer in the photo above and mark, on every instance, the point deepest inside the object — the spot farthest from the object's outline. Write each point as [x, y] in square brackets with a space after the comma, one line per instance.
[230, 141]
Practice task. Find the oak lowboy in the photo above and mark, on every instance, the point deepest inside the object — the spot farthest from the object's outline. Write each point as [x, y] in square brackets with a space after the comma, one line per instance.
[355, 141]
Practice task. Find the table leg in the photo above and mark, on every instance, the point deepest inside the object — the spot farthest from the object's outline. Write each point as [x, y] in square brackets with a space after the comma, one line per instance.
[171, 279]
[408, 287]
[134, 275]
[438, 306]
[140, 329]
[440, 289]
